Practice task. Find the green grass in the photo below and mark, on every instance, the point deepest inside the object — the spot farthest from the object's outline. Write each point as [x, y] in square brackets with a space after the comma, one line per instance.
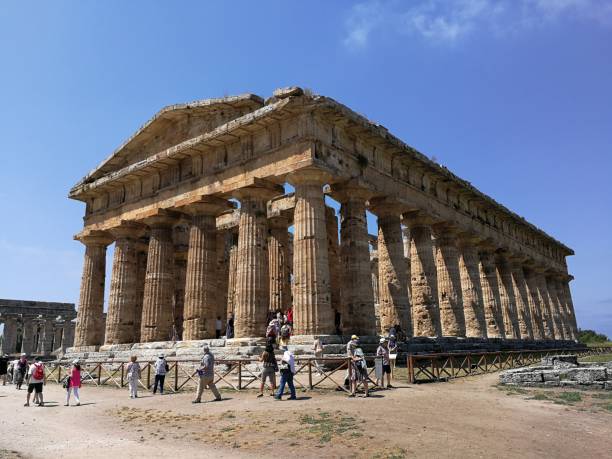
[539, 396]
[602, 344]
[601, 358]
[326, 425]
[569, 397]
[395, 453]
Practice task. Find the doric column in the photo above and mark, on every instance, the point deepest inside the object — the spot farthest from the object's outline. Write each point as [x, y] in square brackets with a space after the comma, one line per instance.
[312, 309]
[333, 255]
[450, 297]
[58, 331]
[68, 335]
[180, 279]
[424, 277]
[357, 296]
[522, 300]
[490, 293]
[201, 281]
[555, 306]
[393, 304]
[548, 321]
[231, 276]
[567, 294]
[9, 341]
[473, 306]
[28, 334]
[142, 249]
[507, 297]
[90, 319]
[47, 346]
[278, 247]
[252, 281]
[534, 304]
[223, 238]
[157, 310]
[123, 287]
[406, 242]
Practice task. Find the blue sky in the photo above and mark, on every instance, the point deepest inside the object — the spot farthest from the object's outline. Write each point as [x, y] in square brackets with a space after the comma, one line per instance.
[514, 96]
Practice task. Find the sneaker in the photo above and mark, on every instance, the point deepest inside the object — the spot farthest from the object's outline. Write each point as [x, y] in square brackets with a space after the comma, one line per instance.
[26, 404]
[196, 401]
[278, 399]
[351, 395]
[66, 404]
[292, 398]
[259, 395]
[216, 400]
[390, 387]
[78, 404]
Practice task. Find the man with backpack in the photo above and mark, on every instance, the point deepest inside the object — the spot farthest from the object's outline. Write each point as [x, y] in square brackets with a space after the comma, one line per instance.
[36, 379]
[161, 368]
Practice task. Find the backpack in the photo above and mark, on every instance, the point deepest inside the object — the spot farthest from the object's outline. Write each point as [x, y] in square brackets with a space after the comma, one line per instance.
[39, 373]
[285, 331]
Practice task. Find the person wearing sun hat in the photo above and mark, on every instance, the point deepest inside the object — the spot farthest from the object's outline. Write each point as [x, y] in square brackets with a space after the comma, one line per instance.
[383, 352]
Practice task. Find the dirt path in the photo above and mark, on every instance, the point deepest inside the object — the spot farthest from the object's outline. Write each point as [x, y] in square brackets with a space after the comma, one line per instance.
[464, 418]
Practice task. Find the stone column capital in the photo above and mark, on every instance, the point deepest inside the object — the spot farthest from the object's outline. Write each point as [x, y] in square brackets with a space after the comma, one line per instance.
[278, 222]
[445, 232]
[206, 205]
[417, 218]
[128, 229]
[352, 190]
[309, 176]
[162, 219]
[94, 238]
[465, 239]
[386, 207]
[262, 190]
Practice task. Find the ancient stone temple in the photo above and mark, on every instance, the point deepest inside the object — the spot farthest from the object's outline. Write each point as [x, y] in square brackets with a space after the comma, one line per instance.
[196, 205]
[36, 327]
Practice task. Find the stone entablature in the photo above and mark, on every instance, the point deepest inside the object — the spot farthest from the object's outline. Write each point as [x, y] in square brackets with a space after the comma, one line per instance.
[450, 260]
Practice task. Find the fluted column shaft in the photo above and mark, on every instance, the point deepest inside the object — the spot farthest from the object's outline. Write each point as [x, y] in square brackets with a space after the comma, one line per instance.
[471, 290]
[522, 301]
[223, 240]
[490, 295]
[9, 341]
[123, 289]
[357, 294]
[507, 297]
[48, 332]
[157, 308]
[252, 281]
[537, 322]
[450, 296]
[333, 255]
[424, 278]
[311, 289]
[559, 327]
[180, 280]
[27, 337]
[548, 321]
[90, 319]
[393, 307]
[231, 276]
[201, 282]
[278, 248]
[564, 308]
[570, 308]
[67, 335]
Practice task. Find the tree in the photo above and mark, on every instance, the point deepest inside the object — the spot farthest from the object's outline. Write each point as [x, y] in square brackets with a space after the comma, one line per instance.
[591, 337]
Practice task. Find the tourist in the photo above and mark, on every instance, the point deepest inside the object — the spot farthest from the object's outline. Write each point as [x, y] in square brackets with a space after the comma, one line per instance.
[350, 353]
[290, 316]
[268, 372]
[317, 349]
[9, 371]
[20, 371]
[133, 375]
[287, 370]
[161, 368]
[229, 330]
[383, 352]
[206, 372]
[271, 332]
[73, 383]
[359, 373]
[285, 334]
[36, 379]
[218, 327]
[4, 361]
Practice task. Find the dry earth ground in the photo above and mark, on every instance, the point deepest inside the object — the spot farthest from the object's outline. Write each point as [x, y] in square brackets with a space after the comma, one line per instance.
[470, 417]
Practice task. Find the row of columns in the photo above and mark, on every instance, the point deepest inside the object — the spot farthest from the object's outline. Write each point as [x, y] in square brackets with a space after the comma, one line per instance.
[452, 283]
[38, 336]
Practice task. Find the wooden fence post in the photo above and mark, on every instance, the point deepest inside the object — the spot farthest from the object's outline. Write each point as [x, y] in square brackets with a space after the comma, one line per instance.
[99, 373]
[148, 376]
[176, 365]
[310, 374]
[239, 374]
[122, 374]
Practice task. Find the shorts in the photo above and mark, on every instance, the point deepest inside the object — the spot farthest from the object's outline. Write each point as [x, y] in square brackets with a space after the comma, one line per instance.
[35, 387]
[386, 369]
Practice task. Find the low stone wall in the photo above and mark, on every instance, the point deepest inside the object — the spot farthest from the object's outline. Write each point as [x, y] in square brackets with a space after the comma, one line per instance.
[561, 371]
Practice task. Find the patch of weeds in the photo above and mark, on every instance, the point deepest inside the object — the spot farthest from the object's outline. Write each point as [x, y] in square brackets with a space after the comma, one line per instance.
[512, 390]
[539, 396]
[569, 397]
[607, 406]
[603, 396]
[325, 425]
[227, 415]
[391, 453]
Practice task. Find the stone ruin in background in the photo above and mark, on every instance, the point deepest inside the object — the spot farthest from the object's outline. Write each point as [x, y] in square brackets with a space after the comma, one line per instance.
[561, 371]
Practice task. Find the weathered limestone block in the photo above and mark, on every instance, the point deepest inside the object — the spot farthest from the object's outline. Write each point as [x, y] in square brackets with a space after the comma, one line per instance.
[425, 309]
[157, 310]
[123, 288]
[394, 308]
[312, 309]
[473, 309]
[450, 296]
[522, 301]
[357, 295]
[490, 294]
[90, 319]
[585, 375]
[278, 246]
[535, 307]
[201, 276]
[252, 281]
[507, 297]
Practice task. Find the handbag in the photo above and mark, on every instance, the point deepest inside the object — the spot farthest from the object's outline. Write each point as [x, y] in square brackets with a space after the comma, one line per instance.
[66, 384]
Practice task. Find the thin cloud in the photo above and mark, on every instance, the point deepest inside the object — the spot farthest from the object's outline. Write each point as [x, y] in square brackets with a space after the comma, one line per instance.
[450, 21]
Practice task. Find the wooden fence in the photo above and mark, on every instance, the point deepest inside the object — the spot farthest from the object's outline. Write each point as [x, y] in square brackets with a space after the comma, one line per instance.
[442, 367]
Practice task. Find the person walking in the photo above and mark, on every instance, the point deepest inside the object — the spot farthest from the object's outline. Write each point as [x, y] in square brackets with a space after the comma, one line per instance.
[270, 367]
[161, 368]
[287, 370]
[73, 384]
[4, 361]
[36, 379]
[383, 353]
[133, 375]
[218, 327]
[206, 372]
[20, 371]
